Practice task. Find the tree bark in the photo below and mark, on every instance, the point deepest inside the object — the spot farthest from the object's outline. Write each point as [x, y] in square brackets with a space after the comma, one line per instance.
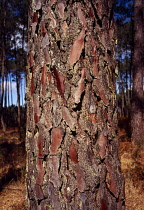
[2, 67]
[2, 91]
[72, 143]
[138, 68]
[18, 97]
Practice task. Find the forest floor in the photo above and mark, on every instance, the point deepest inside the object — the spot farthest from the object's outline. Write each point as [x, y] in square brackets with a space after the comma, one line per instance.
[12, 170]
[13, 159]
[132, 164]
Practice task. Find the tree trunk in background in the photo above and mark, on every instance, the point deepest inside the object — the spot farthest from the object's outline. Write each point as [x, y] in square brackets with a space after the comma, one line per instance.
[11, 89]
[18, 96]
[138, 68]
[17, 85]
[72, 145]
[2, 68]
[2, 92]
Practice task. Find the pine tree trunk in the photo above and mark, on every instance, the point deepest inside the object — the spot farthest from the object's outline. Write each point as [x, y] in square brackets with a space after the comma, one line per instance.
[2, 67]
[2, 92]
[72, 144]
[138, 67]
[18, 97]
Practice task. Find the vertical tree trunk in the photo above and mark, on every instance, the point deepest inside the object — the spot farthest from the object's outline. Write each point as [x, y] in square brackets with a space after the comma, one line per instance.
[72, 145]
[5, 91]
[2, 92]
[2, 68]
[8, 91]
[17, 85]
[11, 90]
[138, 68]
[18, 97]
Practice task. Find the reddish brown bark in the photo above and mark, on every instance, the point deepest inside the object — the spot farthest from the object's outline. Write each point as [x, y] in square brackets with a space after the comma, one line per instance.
[72, 145]
[137, 121]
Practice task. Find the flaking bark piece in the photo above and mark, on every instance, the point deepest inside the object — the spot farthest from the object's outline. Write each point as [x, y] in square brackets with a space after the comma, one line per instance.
[35, 17]
[102, 142]
[38, 4]
[68, 118]
[61, 9]
[41, 171]
[32, 82]
[77, 47]
[80, 179]
[36, 108]
[73, 153]
[80, 88]
[47, 55]
[43, 78]
[54, 166]
[40, 144]
[39, 193]
[81, 17]
[56, 138]
[59, 81]
[64, 28]
[31, 60]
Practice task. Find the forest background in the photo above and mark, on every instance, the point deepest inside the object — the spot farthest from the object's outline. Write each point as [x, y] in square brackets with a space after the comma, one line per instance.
[13, 71]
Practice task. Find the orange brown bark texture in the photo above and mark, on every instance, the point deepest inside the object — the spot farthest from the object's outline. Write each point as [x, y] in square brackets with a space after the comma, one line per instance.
[72, 144]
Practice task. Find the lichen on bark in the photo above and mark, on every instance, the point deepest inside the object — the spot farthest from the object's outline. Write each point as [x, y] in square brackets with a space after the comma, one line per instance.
[72, 144]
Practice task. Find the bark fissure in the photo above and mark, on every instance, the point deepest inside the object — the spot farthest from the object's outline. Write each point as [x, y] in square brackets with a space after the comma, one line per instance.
[71, 162]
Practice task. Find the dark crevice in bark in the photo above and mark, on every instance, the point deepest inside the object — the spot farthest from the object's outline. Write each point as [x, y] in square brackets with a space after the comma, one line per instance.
[94, 24]
[102, 160]
[39, 20]
[73, 1]
[73, 133]
[95, 138]
[53, 7]
[69, 76]
[111, 15]
[58, 44]
[68, 21]
[45, 157]
[64, 134]
[83, 53]
[79, 105]
[36, 129]
[110, 191]
[95, 188]
[99, 22]
[98, 98]
[60, 162]
[50, 132]
[60, 188]
[109, 52]
[110, 141]
[122, 201]
[39, 201]
[67, 161]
